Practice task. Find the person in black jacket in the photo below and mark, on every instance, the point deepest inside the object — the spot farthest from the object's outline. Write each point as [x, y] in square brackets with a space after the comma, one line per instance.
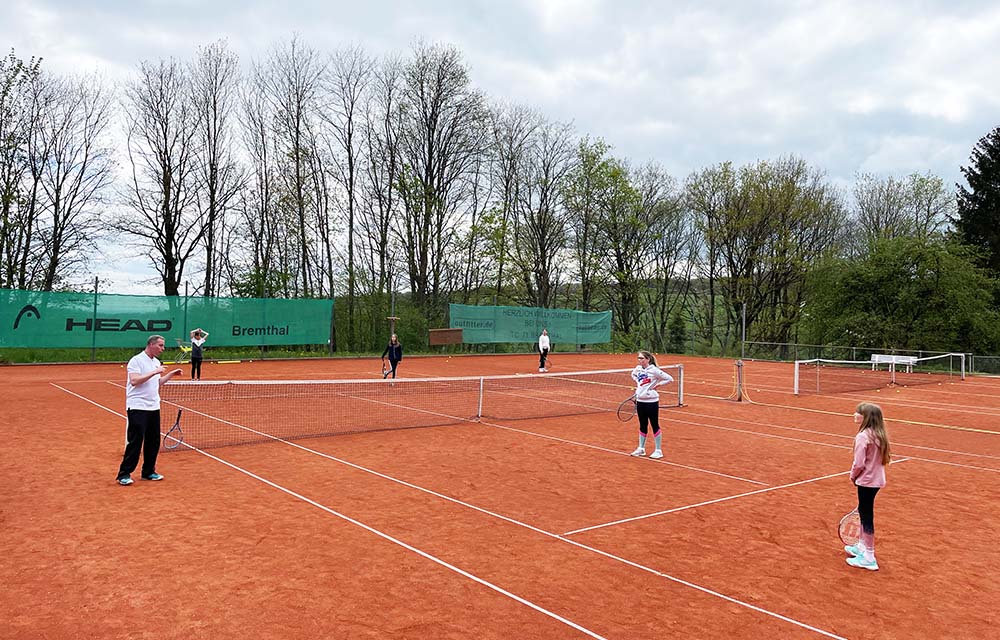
[198, 337]
[395, 352]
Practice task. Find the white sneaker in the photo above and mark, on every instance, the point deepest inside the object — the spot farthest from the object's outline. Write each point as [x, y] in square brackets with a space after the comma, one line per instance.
[540, 370]
[639, 451]
[656, 455]
[861, 563]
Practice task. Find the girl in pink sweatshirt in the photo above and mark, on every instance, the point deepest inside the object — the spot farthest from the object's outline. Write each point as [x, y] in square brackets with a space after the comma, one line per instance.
[871, 455]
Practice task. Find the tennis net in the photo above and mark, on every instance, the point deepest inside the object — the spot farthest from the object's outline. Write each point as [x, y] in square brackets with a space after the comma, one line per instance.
[224, 413]
[882, 370]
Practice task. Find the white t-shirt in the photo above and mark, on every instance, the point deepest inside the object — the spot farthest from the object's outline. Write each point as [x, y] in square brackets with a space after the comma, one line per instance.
[646, 380]
[146, 396]
[543, 342]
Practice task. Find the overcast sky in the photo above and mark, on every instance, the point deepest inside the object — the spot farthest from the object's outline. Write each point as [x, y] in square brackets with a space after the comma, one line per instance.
[884, 87]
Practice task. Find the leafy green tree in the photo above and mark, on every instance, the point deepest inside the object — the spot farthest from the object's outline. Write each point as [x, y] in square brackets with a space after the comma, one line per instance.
[908, 293]
[978, 220]
[677, 330]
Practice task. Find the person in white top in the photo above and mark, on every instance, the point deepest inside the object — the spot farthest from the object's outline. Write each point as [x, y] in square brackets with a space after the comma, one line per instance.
[198, 337]
[543, 350]
[142, 405]
[647, 377]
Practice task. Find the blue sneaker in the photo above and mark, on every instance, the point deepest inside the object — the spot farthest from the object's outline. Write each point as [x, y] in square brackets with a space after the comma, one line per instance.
[861, 563]
[125, 481]
[153, 476]
[855, 549]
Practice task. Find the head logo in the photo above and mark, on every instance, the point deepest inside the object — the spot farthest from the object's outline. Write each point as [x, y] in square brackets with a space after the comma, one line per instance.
[26, 309]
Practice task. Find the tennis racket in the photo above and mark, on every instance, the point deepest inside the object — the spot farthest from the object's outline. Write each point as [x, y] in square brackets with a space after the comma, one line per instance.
[548, 360]
[175, 436]
[850, 528]
[626, 410]
[385, 371]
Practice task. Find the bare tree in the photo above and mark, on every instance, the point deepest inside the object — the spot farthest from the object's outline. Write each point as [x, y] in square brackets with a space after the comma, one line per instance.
[41, 97]
[444, 134]
[881, 209]
[76, 175]
[17, 121]
[672, 249]
[350, 72]
[291, 83]
[513, 128]
[253, 271]
[711, 194]
[540, 228]
[214, 80]
[162, 137]
[473, 262]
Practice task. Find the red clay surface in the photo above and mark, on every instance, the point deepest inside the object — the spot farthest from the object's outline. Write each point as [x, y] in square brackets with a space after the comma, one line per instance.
[520, 529]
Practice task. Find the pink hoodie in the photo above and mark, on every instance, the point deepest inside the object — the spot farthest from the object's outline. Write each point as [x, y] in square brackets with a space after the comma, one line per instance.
[867, 470]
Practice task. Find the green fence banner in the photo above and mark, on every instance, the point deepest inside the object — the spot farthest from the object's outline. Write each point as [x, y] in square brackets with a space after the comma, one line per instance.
[524, 324]
[84, 320]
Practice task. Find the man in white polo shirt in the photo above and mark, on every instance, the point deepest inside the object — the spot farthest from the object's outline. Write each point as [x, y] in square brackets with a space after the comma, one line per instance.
[142, 404]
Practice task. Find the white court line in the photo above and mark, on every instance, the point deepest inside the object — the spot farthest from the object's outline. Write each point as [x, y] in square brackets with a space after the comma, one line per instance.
[895, 443]
[549, 534]
[372, 530]
[716, 501]
[847, 446]
[621, 453]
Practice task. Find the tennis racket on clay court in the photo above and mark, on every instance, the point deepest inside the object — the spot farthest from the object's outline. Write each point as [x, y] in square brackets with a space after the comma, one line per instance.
[385, 371]
[626, 410]
[850, 528]
[175, 436]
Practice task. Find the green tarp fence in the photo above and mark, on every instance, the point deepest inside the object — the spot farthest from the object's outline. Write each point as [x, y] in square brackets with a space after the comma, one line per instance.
[482, 324]
[84, 320]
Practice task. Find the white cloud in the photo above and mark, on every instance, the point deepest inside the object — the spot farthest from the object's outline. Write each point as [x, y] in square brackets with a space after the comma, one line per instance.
[852, 86]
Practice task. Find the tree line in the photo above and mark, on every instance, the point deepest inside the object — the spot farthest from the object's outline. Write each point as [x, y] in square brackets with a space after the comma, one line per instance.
[394, 183]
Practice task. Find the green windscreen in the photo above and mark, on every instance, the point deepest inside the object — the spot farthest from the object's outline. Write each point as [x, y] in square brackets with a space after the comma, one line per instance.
[524, 324]
[76, 320]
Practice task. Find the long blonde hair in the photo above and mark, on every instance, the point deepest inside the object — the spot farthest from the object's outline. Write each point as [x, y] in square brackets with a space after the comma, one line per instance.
[650, 357]
[871, 419]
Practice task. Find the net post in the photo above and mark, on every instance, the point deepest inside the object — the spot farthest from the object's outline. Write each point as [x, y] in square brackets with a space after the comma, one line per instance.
[739, 380]
[479, 412]
[680, 385]
[962, 360]
[795, 386]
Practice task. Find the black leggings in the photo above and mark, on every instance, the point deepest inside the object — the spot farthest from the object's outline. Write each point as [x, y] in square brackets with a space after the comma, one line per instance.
[544, 353]
[649, 413]
[394, 364]
[196, 368]
[866, 508]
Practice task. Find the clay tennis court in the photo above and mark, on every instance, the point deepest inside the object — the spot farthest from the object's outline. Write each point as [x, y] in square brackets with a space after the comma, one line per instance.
[528, 528]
